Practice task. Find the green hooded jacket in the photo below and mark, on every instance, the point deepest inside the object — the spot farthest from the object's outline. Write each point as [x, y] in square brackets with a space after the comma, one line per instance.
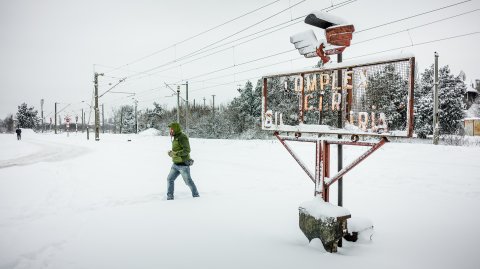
[180, 144]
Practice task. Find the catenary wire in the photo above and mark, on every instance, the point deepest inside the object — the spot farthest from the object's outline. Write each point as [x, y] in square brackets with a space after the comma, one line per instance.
[194, 36]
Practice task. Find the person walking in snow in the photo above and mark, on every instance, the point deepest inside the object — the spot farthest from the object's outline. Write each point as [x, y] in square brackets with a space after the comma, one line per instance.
[19, 133]
[180, 155]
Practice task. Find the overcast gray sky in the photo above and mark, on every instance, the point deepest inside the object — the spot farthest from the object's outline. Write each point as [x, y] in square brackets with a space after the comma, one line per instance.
[50, 49]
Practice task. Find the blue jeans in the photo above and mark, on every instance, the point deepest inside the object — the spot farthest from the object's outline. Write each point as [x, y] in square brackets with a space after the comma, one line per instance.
[183, 170]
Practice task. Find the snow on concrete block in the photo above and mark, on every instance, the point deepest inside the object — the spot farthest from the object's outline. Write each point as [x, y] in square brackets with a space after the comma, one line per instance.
[318, 209]
[325, 221]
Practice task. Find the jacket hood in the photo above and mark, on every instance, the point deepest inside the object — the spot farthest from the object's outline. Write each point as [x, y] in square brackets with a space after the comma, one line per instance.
[175, 127]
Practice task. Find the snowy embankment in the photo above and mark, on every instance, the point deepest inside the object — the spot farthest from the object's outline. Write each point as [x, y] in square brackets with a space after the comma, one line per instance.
[66, 202]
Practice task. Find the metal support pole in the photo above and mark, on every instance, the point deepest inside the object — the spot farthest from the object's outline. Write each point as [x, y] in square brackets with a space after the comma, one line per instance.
[186, 109]
[103, 119]
[213, 105]
[340, 147]
[55, 118]
[83, 121]
[41, 105]
[436, 127]
[97, 112]
[136, 117]
[325, 170]
[340, 125]
[178, 104]
[318, 170]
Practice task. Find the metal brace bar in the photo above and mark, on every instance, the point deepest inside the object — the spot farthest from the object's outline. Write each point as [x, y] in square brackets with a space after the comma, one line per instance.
[356, 162]
[296, 158]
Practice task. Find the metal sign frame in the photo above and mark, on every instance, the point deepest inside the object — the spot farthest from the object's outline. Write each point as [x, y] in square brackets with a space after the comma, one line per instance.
[274, 122]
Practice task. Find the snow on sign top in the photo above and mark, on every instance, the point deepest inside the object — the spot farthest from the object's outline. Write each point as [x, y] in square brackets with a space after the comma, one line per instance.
[347, 63]
[318, 209]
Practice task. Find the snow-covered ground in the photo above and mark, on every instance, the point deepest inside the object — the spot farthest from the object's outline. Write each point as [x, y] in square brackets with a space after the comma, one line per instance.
[66, 202]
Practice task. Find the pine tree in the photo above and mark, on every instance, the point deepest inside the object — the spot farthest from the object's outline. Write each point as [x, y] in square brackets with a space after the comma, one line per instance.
[424, 104]
[240, 112]
[125, 117]
[283, 101]
[387, 92]
[451, 91]
[27, 116]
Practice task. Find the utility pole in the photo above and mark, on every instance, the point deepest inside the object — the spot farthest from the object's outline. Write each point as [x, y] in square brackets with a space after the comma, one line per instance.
[55, 118]
[436, 127]
[213, 105]
[60, 123]
[121, 119]
[41, 105]
[136, 118]
[97, 112]
[186, 111]
[178, 104]
[83, 121]
[193, 103]
[204, 102]
[103, 120]
[339, 146]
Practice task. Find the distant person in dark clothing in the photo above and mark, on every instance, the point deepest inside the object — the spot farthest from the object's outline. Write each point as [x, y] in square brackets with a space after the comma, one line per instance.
[19, 133]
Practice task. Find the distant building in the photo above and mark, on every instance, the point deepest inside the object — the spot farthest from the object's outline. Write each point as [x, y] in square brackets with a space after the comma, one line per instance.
[470, 96]
[472, 126]
[473, 91]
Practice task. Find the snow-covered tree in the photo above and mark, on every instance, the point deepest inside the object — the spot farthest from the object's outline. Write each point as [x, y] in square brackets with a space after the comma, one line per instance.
[387, 92]
[125, 119]
[243, 112]
[283, 101]
[27, 116]
[151, 117]
[451, 91]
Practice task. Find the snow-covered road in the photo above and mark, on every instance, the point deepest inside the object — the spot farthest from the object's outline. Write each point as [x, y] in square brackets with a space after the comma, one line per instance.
[88, 204]
[34, 150]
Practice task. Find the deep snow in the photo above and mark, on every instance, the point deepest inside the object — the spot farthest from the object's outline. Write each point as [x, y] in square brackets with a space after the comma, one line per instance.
[66, 202]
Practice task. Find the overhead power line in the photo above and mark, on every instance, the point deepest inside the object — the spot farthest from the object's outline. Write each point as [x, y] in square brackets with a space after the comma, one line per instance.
[359, 56]
[209, 48]
[224, 38]
[331, 8]
[194, 36]
[213, 53]
[432, 41]
[416, 44]
[249, 70]
[235, 65]
[416, 27]
[413, 16]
